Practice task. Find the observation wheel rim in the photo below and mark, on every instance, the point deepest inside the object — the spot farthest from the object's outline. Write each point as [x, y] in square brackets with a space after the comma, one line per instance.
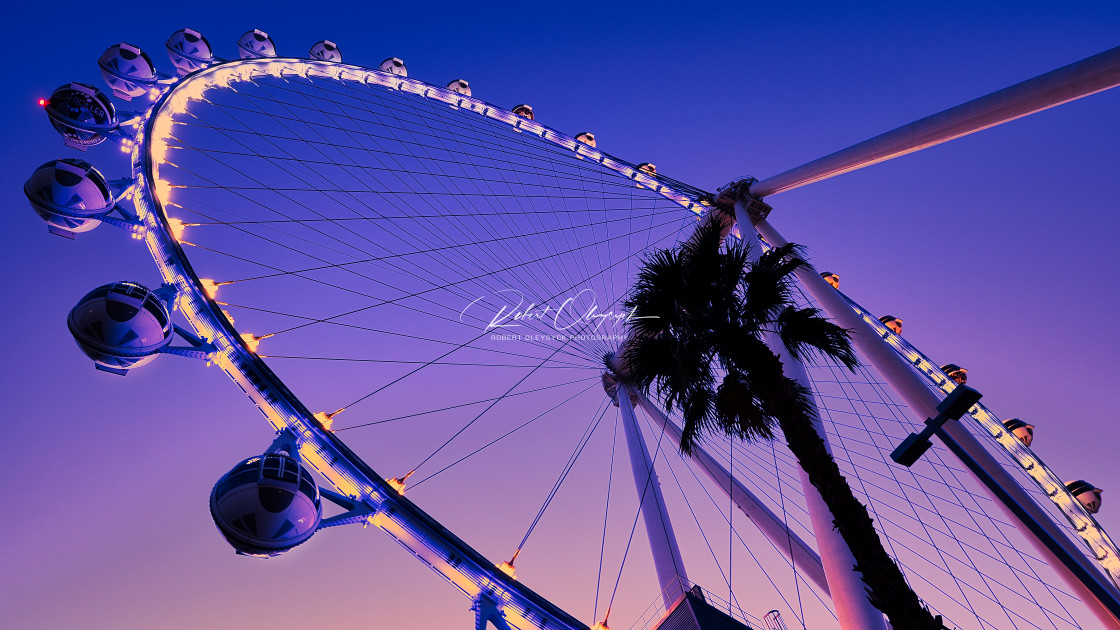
[282, 408]
[250, 371]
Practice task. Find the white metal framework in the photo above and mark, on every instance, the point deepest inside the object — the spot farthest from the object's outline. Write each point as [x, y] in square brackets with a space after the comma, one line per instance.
[499, 598]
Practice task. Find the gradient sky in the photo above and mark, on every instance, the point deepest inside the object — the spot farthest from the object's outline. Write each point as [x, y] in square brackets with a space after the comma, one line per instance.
[998, 250]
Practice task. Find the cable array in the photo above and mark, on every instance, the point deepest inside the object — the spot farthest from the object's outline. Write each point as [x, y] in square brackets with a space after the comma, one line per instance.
[447, 285]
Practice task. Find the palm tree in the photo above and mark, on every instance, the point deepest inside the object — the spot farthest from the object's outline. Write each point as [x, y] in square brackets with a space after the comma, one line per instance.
[699, 339]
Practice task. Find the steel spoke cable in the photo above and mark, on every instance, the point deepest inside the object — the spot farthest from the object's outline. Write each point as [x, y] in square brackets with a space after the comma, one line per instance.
[409, 145]
[980, 529]
[507, 434]
[726, 575]
[336, 189]
[875, 506]
[606, 514]
[634, 524]
[466, 404]
[417, 337]
[494, 163]
[407, 254]
[483, 412]
[394, 130]
[481, 124]
[425, 363]
[731, 529]
[623, 185]
[774, 545]
[558, 348]
[404, 217]
[789, 538]
[949, 532]
[448, 194]
[584, 438]
[411, 295]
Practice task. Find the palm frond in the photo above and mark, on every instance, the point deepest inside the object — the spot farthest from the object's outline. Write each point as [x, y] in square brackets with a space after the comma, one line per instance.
[784, 259]
[766, 293]
[768, 284]
[808, 335]
[713, 318]
[654, 297]
[744, 350]
[698, 412]
[739, 413]
[650, 359]
[704, 245]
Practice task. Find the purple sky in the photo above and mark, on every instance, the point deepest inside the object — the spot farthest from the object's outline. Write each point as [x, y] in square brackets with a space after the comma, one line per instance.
[997, 250]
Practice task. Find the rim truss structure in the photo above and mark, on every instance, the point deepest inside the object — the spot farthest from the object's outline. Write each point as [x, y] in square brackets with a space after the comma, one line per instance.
[499, 597]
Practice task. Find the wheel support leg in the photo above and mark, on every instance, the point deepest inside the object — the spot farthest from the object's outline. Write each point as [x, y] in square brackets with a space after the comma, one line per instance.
[671, 575]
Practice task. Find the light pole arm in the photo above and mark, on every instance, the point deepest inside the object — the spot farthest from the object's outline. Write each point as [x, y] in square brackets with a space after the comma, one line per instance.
[1078, 79]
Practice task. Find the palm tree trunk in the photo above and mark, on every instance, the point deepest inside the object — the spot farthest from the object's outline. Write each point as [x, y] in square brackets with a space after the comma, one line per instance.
[887, 587]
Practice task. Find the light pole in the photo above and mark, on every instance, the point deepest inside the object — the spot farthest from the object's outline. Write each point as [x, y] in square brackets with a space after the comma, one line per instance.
[955, 405]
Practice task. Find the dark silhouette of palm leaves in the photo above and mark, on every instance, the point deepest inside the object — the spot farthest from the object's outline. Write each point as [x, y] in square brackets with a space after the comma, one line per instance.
[704, 314]
[705, 311]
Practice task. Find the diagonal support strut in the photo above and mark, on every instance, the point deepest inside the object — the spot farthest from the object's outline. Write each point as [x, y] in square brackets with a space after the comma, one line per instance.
[1079, 79]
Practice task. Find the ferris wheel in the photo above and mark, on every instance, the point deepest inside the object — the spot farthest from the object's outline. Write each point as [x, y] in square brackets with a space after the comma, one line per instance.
[366, 255]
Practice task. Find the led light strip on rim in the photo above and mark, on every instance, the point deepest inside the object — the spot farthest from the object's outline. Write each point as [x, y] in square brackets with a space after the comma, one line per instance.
[421, 535]
[424, 537]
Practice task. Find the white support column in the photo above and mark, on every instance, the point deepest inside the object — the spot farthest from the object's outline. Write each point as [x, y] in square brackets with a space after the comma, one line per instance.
[1078, 79]
[1064, 557]
[790, 544]
[849, 594]
[659, 530]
